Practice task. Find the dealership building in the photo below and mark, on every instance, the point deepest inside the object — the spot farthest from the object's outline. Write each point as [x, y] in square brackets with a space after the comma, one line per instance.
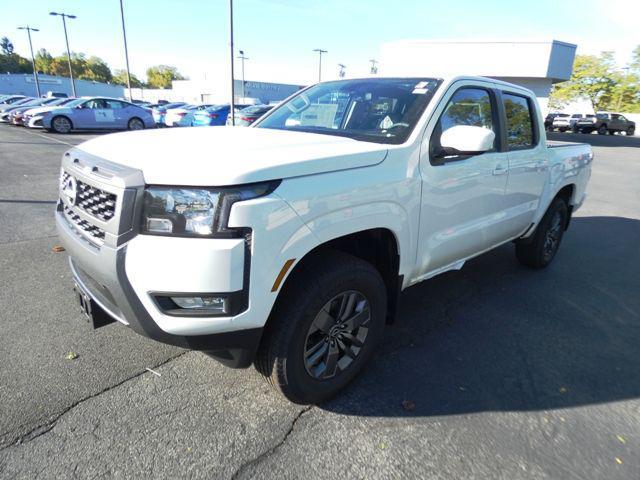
[536, 65]
[24, 84]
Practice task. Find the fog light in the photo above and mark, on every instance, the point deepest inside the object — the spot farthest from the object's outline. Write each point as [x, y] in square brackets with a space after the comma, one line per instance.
[202, 304]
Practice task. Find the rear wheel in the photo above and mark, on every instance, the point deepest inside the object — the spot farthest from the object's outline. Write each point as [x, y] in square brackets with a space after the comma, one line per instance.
[539, 250]
[324, 328]
[135, 124]
[61, 124]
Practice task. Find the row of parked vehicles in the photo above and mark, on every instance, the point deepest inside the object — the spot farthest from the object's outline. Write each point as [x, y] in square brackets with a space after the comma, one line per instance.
[62, 115]
[601, 122]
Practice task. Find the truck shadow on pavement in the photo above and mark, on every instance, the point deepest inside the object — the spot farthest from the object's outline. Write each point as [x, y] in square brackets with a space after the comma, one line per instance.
[497, 336]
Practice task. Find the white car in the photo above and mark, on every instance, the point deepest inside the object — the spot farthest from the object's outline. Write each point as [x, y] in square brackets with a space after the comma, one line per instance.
[175, 116]
[33, 118]
[561, 122]
[286, 244]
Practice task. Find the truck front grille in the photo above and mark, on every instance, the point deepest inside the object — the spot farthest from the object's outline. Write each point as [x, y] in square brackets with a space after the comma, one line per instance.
[93, 233]
[94, 201]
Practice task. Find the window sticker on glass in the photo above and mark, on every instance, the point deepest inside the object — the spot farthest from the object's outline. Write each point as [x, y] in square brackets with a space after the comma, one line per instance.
[319, 115]
[419, 91]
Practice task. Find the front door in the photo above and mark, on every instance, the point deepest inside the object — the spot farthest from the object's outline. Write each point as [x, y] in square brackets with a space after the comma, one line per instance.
[463, 196]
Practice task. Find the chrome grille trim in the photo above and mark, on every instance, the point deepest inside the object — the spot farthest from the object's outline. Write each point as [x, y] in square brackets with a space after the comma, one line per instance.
[93, 200]
[89, 231]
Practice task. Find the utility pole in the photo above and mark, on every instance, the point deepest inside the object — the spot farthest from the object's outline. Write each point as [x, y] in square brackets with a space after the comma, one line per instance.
[126, 52]
[66, 39]
[33, 58]
[374, 68]
[231, 104]
[341, 72]
[320, 52]
[243, 58]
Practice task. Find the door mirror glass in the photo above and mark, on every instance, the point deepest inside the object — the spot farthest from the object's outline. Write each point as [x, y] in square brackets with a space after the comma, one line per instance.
[467, 140]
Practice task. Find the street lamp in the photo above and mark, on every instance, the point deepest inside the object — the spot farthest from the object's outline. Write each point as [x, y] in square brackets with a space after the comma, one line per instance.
[320, 52]
[33, 58]
[341, 72]
[374, 68]
[126, 52]
[243, 58]
[231, 104]
[66, 39]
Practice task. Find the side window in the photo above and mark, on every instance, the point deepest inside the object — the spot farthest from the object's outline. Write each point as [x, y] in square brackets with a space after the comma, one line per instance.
[622, 118]
[519, 121]
[95, 104]
[468, 106]
[114, 104]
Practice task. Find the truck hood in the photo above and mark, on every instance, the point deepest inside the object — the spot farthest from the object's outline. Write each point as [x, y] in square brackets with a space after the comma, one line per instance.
[220, 156]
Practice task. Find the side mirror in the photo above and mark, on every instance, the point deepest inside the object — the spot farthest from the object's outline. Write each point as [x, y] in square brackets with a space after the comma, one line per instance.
[467, 140]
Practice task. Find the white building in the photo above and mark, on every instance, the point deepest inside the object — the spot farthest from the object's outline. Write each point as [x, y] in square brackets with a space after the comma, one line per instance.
[536, 65]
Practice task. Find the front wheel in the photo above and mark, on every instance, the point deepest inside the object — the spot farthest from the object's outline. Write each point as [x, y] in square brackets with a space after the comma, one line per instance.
[602, 130]
[135, 124]
[631, 131]
[539, 250]
[61, 124]
[325, 327]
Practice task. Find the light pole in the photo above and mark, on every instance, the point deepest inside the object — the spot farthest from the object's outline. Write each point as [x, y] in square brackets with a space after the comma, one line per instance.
[33, 58]
[231, 104]
[126, 52]
[374, 68]
[243, 58]
[341, 72]
[66, 39]
[320, 52]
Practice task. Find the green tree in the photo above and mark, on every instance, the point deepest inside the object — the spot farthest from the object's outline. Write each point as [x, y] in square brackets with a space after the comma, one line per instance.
[43, 61]
[592, 78]
[161, 76]
[120, 78]
[10, 61]
[97, 70]
[6, 47]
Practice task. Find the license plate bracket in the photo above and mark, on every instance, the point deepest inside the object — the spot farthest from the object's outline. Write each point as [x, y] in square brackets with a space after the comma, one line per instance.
[93, 313]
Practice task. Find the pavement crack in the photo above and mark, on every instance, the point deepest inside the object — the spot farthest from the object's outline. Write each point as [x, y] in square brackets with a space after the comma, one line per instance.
[266, 454]
[45, 428]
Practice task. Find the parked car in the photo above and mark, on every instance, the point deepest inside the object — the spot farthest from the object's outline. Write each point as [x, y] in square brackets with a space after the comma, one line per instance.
[9, 99]
[576, 117]
[605, 122]
[51, 94]
[4, 107]
[548, 121]
[183, 116]
[6, 110]
[216, 115]
[562, 122]
[31, 113]
[97, 113]
[322, 213]
[16, 115]
[160, 111]
[247, 116]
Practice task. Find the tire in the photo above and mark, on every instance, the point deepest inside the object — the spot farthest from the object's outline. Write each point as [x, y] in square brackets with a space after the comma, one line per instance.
[539, 250]
[602, 130]
[135, 124]
[298, 329]
[562, 130]
[61, 124]
[631, 132]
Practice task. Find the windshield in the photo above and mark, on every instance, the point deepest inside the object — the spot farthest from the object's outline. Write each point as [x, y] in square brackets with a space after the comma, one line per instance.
[381, 110]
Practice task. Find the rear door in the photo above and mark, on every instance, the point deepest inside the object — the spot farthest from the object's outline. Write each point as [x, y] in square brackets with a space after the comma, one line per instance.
[528, 162]
[462, 196]
[120, 112]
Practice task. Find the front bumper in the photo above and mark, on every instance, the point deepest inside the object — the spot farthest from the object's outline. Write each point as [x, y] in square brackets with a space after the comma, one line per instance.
[121, 274]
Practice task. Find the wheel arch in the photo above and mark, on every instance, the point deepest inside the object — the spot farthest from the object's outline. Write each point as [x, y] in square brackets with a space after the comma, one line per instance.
[378, 246]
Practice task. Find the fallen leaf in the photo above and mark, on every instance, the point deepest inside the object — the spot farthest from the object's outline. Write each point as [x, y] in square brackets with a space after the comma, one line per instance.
[71, 355]
[621, 438]
[618, 461]
[382, 445]
[564, 389]
[408, 405]
[57, 249]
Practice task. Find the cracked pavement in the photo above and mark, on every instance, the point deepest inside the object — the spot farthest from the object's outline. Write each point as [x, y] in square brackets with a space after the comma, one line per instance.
[513, 373]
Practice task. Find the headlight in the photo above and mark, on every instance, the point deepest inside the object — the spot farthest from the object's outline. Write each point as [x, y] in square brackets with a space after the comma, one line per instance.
[198, 212]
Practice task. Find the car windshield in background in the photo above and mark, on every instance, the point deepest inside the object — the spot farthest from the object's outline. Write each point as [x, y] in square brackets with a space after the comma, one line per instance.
[382, 110]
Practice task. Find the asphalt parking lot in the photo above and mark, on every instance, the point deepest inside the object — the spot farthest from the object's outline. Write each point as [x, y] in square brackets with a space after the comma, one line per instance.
[495, 371]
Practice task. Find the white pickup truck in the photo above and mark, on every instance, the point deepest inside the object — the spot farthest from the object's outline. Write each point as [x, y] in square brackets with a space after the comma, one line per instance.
[286, 244]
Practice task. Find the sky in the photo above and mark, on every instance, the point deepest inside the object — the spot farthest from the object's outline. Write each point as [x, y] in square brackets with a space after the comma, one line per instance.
[279, 36]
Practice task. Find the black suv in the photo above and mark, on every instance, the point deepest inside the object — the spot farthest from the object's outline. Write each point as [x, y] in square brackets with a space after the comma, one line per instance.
[605, 123]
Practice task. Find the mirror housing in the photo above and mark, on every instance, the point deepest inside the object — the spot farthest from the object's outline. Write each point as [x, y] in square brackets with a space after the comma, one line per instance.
[467, 140]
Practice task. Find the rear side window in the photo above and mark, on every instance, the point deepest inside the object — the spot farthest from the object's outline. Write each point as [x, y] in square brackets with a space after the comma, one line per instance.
[519, 121]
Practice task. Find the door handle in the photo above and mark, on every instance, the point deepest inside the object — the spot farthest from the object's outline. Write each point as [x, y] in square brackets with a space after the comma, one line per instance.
[500, 170]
